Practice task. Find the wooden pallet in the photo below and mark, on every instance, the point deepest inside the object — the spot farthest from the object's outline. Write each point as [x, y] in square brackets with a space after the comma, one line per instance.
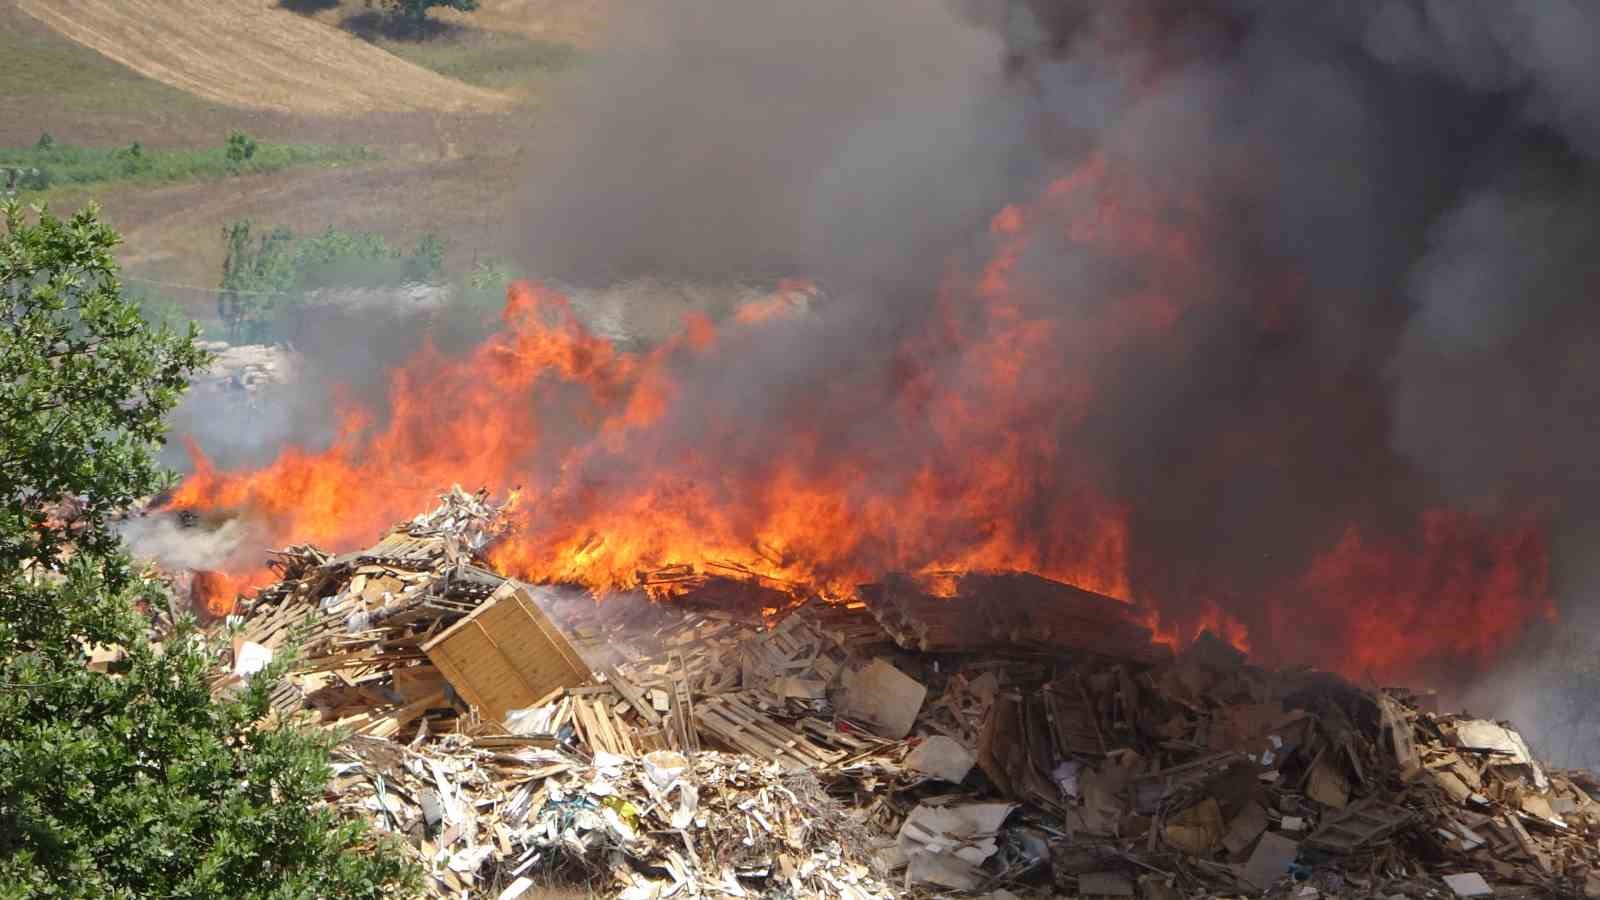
[741, 726]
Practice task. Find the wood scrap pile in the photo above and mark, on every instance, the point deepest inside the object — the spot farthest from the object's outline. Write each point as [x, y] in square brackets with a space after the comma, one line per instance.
[358, 623]
[999, 734]
[494, 817]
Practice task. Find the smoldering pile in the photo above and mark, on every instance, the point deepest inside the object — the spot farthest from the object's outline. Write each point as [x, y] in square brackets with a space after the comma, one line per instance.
[1010, 736]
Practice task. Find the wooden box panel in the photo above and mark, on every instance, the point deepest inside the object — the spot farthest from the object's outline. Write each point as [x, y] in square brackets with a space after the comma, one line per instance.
[506, 655]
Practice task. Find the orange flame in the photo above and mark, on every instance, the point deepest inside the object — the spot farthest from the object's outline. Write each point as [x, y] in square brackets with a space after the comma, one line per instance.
[217, 593]
[611, 489]
[1461, 591]
[1211, 617]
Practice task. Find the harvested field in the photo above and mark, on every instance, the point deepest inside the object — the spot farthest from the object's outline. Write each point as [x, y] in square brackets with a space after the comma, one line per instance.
[252, 54]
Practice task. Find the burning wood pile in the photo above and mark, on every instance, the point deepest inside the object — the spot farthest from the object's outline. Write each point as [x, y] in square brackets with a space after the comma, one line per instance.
[969, 733]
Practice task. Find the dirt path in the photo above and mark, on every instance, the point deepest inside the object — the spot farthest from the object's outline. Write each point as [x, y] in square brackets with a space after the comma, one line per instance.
[254, 55]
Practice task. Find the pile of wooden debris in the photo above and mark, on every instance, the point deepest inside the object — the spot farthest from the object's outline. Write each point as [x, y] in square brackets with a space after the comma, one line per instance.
[997, 735]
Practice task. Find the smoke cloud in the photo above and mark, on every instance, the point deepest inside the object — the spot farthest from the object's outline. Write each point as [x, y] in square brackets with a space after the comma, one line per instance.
[1393, 203]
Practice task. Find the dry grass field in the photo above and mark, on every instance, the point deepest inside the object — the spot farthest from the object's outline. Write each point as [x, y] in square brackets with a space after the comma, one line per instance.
[254, 54]
[447, 116]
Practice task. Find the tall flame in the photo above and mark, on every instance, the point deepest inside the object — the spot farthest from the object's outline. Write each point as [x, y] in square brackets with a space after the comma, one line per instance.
[975, 416]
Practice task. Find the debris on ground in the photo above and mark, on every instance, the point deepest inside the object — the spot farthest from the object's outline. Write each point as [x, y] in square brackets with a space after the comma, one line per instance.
[980, 734]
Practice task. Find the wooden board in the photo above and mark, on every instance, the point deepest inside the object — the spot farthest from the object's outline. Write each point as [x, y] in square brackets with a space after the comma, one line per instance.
[505, 655]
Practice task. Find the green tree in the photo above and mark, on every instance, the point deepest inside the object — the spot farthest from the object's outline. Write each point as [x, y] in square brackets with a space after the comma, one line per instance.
[415, 12]
[132, 783]
[241, 147]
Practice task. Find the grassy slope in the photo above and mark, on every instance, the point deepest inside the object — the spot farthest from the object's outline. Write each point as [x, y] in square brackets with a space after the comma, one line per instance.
[255, 55]
[456, 175]
[53, 84]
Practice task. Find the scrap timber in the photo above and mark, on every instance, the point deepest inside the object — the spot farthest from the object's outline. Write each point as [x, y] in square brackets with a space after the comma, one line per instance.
[994, 734]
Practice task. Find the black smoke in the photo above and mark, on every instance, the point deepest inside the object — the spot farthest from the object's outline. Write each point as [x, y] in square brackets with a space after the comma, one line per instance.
[1400, 196]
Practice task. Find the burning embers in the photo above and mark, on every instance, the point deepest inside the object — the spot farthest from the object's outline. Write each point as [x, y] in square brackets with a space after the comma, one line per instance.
[984, 430]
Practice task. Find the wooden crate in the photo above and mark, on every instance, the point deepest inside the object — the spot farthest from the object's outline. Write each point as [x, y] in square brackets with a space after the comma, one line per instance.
[506, 654]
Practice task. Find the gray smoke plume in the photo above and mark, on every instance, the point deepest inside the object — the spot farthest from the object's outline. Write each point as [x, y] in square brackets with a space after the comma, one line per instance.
[1398, 195]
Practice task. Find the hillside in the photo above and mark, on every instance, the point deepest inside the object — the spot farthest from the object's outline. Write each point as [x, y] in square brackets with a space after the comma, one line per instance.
[445, 119]
[255, 55]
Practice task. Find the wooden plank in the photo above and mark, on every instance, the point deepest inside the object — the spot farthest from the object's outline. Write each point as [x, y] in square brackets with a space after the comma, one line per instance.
[392, 722]
[548, 628]
[683, 720]
[631, 693]
[587, 732]
[602, 723]
[458, 680]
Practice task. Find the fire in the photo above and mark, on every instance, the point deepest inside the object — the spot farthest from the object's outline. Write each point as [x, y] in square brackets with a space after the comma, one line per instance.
[964, 450]
[1211, 617]
[218, 592]
[1458, 592]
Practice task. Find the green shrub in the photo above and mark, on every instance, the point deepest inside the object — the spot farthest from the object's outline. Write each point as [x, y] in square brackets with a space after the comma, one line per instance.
[265, 276]
[63, 164]
[135, 783]
[241, 147]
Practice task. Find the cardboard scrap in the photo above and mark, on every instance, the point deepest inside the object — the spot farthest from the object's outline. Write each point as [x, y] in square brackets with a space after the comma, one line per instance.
[883, 698]
[1270, 860]
[1453, 786]
[925, 867]
[966, 831]
[1469, 884]
[1507, 744]
[942, 757]
[1245, 828]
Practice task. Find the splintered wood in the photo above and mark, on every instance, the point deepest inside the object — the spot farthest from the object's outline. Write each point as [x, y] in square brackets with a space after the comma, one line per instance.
[970, 733]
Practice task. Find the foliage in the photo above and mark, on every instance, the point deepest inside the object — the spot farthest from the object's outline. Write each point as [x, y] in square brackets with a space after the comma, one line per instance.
[158, 310]
[241, 147]
[135, 782]
[84, 387]
[489, 275]
[265, 276]
[415, 12]
[67, 164]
